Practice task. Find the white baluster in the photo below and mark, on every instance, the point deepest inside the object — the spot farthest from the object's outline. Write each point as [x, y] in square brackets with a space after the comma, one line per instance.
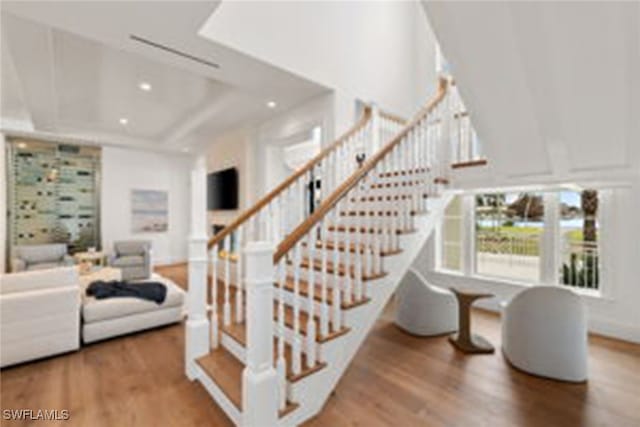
[281, 366]
[296, 350]
[357, 255]
[324, 312]
[311, 324]
[226, 307]
[336, 314]
[214, 296]
[344, 204]
[239, 276]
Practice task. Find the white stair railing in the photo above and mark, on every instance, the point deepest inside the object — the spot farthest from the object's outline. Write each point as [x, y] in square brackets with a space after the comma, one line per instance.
[320, 259]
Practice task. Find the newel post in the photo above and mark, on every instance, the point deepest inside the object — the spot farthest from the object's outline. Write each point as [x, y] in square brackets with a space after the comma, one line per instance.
[259, 382]
[197, 328]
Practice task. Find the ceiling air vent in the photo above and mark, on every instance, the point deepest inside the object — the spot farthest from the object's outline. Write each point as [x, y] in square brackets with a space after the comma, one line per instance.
[172, 50]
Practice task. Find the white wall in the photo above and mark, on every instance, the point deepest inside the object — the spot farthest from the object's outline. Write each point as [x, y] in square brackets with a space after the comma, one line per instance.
[233, 149]
[294, 126]
[373, 51]
[3, 205]
[124, 170]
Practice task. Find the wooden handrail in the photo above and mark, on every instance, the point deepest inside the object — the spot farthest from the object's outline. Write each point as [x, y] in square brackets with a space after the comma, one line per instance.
[247, 214]
[393, 117]
[353, 180]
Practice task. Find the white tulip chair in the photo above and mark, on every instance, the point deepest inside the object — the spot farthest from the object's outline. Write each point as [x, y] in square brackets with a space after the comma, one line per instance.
[424, 309]
[544, 332]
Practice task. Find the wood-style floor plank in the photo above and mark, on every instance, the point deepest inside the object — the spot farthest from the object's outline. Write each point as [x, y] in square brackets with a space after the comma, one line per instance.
[395, 380]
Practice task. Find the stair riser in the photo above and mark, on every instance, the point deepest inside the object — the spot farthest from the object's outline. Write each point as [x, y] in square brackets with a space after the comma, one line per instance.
[400, 222]
[350, 237]
[317, 277]
[417, 201]
[342, 257]
[392, 206]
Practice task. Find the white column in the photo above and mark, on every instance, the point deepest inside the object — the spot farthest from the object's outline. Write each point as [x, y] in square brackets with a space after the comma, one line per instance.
[259, 380]
[468, 206]
[550, 244]
[197, 332]
[375, 130]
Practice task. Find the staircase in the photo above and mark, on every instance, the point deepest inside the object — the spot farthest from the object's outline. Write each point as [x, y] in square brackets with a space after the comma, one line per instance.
[273, 325]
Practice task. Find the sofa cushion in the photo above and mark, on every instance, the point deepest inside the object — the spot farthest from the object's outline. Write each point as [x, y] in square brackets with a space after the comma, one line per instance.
[94, 310]
[131, 247]
[41, 253]
[40, 279]
[128, 260]
[42, 266]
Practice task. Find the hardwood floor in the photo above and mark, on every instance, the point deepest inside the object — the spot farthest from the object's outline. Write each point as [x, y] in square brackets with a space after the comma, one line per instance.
[394, 380]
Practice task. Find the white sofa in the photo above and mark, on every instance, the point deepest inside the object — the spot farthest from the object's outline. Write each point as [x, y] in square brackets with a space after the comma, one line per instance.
[424, 309]
[544, 332]
[39, 314]
[111, 317]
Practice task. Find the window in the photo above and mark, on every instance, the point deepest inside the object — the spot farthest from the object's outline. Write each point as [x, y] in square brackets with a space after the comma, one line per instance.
[509, 229]
[579, 229]
[550, 237]
[452, 236]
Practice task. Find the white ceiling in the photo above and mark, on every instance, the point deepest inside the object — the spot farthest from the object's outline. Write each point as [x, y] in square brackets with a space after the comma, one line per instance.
[553, 87]
[71, 69]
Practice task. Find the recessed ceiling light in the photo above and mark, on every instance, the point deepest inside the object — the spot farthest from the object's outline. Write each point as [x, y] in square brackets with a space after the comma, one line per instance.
[22, 145]
[124, 121]
[145, 86]
[271, 104]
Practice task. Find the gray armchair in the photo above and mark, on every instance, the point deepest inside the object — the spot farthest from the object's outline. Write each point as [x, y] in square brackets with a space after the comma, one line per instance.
[40, 257]
[133, 257]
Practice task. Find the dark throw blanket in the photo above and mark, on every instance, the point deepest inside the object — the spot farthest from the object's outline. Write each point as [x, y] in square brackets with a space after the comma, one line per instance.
[152, 291]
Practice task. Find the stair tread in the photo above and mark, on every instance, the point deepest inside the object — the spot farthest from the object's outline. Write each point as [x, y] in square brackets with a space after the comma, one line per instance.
[387, 198]
[353, 247]
[238, 331]
[226, 371]
[368, 212]
[404, 172]
[341, 269]
[353, 229]
[398, 184]
[317, 293]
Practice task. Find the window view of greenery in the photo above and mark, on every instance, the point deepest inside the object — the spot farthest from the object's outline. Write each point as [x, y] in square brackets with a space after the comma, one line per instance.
[452, 236]
[579, 231]
[508, 235]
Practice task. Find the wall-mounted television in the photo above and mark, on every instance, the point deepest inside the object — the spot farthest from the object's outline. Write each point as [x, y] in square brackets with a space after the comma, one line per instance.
[222, 190]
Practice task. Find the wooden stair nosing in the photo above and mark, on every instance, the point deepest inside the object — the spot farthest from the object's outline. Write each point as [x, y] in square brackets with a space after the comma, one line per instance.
[378, 213]
[352, 229]
[226, 372]
[398, 184]
[317, 265]
[387, 198]
[404, 172]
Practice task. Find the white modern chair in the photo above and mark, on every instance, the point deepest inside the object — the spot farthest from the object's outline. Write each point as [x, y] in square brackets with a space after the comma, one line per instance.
[544, 332]
[424, 309]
